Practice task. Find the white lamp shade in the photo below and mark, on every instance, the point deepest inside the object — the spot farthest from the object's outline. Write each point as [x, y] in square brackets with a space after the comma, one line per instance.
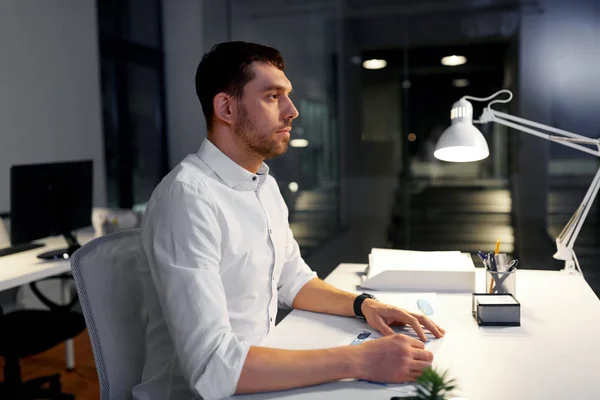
[461, 142]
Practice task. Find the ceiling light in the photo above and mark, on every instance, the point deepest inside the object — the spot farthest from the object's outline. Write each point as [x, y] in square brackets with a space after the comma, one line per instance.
[298, 142]
[293, 186]
[374, 64]
[454, 60]
[460, 83]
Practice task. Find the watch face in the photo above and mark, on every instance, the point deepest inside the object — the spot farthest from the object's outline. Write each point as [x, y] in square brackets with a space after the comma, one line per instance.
[361, 338]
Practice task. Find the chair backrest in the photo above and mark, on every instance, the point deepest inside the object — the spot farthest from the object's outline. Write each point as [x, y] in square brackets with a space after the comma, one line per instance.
[109, 288]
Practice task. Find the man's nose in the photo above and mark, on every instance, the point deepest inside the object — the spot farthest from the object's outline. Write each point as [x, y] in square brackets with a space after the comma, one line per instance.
[291, 111]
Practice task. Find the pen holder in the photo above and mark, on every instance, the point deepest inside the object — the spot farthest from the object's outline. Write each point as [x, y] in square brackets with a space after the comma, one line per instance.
[501, 282]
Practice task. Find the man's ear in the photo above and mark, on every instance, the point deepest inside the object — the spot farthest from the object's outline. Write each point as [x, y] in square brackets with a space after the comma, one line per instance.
[223, 105]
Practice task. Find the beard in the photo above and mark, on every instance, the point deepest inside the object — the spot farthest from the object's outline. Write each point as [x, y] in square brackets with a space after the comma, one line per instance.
[264, 144]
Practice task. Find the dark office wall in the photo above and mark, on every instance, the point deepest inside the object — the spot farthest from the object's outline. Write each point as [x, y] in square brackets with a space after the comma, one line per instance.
[372, 166]
[183, 46]
[49, 87]
[573, 69]
[558, 78]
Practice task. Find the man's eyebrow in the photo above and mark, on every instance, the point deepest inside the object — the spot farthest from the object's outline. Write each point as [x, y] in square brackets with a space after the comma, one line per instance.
[278, 88]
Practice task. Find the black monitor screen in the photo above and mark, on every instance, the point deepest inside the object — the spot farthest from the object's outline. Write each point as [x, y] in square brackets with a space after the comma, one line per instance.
[49, 199]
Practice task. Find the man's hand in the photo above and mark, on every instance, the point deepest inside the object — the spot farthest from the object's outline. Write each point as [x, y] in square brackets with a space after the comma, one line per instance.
[380, 316]
[394, 359]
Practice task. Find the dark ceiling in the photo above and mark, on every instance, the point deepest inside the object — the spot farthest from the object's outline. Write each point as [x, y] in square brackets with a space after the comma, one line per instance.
[485, 67]
[373, 8]
[481, 57]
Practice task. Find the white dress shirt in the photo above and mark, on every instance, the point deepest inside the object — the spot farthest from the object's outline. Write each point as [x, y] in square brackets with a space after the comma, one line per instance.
[218, 258]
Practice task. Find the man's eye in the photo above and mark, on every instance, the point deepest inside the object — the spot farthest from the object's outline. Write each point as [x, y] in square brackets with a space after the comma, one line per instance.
[274, 96]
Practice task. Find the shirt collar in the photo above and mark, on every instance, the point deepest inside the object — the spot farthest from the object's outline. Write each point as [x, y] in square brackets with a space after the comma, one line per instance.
[228, 170]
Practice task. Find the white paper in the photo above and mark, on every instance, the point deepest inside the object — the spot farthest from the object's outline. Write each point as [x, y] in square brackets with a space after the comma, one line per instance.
[402, 389]
[495, 300]
[433, 344]
[410, 301]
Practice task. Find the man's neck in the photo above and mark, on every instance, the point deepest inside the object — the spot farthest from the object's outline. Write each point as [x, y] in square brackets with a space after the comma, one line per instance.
[230, 145]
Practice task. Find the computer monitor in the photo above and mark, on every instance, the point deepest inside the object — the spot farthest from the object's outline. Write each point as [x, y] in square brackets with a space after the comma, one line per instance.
[49, 200]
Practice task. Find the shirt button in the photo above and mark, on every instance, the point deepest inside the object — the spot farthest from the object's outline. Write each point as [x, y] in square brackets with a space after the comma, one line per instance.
[271, 319]
[253, 178]
[270, 231]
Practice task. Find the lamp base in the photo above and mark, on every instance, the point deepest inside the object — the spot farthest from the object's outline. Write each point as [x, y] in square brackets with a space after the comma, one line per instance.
[571, 268]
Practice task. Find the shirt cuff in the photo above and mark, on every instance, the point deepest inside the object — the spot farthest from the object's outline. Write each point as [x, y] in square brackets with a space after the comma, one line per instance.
[222, 374]
[286, 297]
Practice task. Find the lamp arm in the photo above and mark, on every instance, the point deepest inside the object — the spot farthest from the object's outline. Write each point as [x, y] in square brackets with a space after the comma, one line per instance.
[566, 239]
[490, 115]
[571, 230]
[541, 126]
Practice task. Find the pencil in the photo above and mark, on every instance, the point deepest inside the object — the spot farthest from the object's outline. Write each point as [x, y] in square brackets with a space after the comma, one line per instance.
[497, 247]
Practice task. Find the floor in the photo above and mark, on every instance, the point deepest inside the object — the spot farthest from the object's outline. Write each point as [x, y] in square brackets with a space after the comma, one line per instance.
[466, 217]
[82, 382]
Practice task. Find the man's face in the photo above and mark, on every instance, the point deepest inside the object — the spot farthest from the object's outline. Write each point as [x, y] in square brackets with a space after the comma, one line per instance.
[265, 112]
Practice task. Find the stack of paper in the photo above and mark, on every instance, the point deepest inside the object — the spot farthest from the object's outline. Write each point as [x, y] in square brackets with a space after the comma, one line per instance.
[446, 271]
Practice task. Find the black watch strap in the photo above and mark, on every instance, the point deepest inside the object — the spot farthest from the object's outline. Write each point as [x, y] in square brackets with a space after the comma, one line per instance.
[358, 304]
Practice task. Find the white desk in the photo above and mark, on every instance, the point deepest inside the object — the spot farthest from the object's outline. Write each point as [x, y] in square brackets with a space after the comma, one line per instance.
[554, 354]
[23, 268]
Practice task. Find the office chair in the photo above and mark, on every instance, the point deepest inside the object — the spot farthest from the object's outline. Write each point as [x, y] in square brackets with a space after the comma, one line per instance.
[28, 332]
[106, 277]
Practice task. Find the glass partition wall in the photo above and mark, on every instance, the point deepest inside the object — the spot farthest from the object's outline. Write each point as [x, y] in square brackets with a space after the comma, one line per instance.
[375, 81]
[309, 173]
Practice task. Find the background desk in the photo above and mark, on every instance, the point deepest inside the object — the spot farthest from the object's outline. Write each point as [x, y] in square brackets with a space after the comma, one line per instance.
[554, 354]
[23, 268]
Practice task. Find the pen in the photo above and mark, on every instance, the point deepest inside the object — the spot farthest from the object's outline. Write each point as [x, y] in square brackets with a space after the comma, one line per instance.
[373, 383]
[483, 258]
[492, 261]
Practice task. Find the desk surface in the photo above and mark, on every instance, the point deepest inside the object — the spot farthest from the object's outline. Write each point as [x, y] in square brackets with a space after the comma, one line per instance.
[22, 268]
[554, 354]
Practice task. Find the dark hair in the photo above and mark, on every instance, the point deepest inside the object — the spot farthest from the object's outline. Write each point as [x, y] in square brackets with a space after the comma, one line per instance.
[226, 68]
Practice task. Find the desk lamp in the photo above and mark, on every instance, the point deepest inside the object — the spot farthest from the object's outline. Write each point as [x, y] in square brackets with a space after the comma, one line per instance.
[463, 142]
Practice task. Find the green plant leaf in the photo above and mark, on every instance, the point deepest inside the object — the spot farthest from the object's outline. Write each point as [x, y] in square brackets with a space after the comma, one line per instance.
[433, 385]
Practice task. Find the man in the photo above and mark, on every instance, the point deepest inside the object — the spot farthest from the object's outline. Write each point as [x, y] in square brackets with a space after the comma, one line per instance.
[219, 256]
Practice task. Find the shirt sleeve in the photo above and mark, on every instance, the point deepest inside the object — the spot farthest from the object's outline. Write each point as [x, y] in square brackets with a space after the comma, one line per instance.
[295, 273]
[181, 237]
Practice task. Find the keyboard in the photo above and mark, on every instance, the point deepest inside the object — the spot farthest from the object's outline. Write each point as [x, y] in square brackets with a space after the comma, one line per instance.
[7, 251]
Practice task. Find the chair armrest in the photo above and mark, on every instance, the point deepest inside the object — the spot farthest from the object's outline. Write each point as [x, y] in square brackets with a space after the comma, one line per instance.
[49, 303]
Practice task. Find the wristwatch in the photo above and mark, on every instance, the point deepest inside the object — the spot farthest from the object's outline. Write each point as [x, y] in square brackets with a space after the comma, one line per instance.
[358, 304]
